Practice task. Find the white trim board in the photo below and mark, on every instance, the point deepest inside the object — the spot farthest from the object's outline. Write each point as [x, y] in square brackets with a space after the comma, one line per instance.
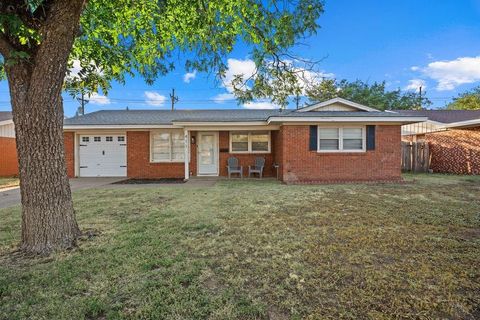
[349, 103]
[400, 120]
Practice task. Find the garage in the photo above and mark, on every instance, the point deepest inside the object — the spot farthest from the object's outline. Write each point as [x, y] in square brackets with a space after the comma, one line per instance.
[103, 155]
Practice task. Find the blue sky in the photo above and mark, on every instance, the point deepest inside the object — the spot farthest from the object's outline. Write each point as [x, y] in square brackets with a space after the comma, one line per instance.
[406, 43]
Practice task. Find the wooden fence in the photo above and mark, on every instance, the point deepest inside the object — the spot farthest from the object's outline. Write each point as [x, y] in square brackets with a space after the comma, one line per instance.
[415, 156]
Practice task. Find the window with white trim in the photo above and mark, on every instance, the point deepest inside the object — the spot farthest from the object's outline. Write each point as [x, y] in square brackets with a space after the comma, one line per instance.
[167, 146]
[250, 142]
[337, 139]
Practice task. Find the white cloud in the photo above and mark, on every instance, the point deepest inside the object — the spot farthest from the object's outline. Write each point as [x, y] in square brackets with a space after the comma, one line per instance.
[260, 105]
[74, 72]
[189, 76]
[153, 98]
[246, 68]
[415, 68]
[222, 97]
[96, 98]
[415, 84]
[453, 73]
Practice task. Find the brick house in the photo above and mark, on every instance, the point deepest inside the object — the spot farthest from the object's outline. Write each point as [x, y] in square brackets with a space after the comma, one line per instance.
[336, 140]
[453, 137]
[8, 151]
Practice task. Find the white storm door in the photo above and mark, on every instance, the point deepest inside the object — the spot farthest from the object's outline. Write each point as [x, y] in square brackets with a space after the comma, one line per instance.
[207, 153]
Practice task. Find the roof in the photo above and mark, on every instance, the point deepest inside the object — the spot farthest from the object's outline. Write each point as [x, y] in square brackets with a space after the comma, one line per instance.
[156, 117]
[167, 117]
[5, 115]
[444, 116]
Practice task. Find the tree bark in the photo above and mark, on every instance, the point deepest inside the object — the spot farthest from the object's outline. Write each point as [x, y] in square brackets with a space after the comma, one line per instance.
[48, 218]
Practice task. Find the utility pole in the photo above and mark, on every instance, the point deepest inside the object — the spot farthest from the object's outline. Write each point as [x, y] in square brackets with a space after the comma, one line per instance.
[173, 99]
[297, 100]
[83, 102]
[420, 92]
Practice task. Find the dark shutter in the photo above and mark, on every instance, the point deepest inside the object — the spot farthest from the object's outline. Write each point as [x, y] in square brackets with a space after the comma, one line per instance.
[313, 138]
[370, 137]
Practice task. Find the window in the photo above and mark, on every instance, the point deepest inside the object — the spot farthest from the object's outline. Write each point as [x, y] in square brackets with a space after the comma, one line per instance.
[85, 139]
[97, 139]
[121, 139]
[332, 139]
[329, 139]
[250, 142]
[109, 139]
[239, 142]
[167, 146]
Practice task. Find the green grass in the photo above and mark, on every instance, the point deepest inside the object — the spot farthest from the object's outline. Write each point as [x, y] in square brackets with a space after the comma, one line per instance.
[8, 182]
[258, 250]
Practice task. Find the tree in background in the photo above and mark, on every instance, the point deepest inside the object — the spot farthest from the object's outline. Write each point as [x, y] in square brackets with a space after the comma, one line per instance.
[41, 39]
[469, 100]
[373, 95]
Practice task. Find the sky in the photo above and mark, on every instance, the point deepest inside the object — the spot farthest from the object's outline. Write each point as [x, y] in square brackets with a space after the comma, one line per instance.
[408, 44]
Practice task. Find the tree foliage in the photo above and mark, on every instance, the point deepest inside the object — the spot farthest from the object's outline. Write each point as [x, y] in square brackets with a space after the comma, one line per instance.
[128, 37]
[373, 95]
[469, 100]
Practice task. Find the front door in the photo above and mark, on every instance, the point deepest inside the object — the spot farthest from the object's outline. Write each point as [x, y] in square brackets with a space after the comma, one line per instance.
[207, 153]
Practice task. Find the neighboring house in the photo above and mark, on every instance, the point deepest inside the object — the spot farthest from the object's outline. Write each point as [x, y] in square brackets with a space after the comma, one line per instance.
[8, 151]
[336, 140]
[453, 137]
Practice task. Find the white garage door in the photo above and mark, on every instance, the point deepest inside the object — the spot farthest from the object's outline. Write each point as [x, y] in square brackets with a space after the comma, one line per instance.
[103, 156]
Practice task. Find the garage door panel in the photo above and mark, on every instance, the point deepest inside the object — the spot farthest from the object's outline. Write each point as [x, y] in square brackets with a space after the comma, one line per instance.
[102, 156]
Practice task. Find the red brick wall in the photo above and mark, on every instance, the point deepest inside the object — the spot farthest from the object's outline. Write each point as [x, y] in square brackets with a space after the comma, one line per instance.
[8, 157]
[299, 164]
[244, 159]
[278, 151]
[69, 143]
[455, 151]
[138, 159]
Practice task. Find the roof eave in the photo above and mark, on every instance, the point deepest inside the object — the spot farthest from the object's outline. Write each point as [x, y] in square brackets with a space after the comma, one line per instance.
[400, 120]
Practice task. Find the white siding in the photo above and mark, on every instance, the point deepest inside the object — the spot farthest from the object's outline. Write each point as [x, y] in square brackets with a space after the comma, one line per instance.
[336, 107]
[7, 130]
[421, 128]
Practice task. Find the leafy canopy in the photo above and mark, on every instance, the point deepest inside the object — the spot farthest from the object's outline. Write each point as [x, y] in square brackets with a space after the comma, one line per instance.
[373, 95]
[127, 37]
[469, 100]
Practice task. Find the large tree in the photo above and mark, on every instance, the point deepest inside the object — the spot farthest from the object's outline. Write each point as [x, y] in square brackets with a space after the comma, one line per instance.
[374, 95]
[469, 100]
[41, 39]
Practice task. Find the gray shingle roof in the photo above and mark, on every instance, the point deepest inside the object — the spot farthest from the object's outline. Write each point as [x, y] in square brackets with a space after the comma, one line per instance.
[5, 115]
[444, 116]
[160, 117]
[147, 117]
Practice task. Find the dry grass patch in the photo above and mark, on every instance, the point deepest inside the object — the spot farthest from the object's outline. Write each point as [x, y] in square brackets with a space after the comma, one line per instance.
[8, 182]
[260, 250]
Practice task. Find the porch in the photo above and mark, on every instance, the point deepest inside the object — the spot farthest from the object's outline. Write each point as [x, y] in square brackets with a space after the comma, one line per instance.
[207, 152]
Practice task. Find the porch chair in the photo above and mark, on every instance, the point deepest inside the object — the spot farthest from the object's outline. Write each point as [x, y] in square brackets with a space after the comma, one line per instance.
[233, 167]
[257, 167]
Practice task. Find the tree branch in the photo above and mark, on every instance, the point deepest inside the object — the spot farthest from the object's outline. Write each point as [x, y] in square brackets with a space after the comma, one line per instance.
[6, 47]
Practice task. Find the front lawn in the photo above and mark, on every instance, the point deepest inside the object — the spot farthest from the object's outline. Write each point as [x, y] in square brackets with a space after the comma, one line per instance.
[8, 182]
[258, 250]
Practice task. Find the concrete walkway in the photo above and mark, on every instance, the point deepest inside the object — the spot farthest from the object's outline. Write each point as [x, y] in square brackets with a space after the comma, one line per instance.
[11, 196]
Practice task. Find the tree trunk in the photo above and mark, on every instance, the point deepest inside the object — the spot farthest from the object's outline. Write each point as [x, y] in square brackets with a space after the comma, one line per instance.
[48, 218]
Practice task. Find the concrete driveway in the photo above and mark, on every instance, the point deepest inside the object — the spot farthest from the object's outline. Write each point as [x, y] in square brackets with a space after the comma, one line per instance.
[11, 197]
